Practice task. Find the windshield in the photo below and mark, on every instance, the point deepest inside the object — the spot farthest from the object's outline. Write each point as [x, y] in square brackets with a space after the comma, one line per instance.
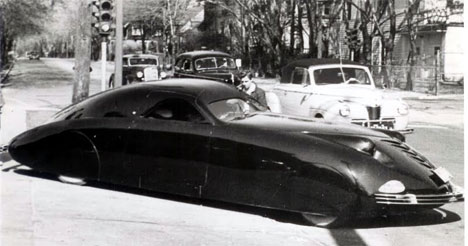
[343, 75]
[214, 63]
[143, 61]
[232, 109]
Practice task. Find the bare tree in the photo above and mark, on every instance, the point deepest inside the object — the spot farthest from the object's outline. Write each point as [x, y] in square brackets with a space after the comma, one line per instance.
[20, 18]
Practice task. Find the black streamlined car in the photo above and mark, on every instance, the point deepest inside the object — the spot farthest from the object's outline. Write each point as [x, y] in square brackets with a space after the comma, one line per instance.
[206, 139]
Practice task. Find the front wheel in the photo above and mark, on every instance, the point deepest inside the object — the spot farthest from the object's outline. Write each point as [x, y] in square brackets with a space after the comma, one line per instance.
[319, 220]
[340, 218]
[71, 180]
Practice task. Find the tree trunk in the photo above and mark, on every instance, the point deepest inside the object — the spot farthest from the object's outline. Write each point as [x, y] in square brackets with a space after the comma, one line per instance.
[300, 28]
[412, 32]
[82, 53]
[310, 7]
[2, 49]
[143, 39]
[293, 28]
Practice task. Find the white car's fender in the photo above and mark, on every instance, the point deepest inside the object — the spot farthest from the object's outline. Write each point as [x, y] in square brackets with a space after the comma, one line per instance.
[273, 102]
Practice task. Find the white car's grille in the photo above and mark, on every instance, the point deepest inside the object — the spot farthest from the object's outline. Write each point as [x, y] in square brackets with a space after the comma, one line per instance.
[374, 112]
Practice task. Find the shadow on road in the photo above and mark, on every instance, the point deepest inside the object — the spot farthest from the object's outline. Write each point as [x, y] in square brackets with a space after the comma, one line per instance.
[428, 217]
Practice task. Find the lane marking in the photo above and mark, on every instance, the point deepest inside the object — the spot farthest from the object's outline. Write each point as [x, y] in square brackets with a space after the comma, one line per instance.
[428, 126]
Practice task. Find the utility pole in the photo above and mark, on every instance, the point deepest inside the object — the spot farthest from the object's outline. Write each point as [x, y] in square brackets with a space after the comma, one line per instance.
[118, 43]
[82, 53]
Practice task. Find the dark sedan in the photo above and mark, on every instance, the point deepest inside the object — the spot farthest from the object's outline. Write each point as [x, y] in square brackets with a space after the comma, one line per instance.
[141, 68]
[206, 139]
[212, 65]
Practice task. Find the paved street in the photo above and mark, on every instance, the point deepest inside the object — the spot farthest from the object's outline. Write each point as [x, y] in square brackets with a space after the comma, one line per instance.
[39, 210]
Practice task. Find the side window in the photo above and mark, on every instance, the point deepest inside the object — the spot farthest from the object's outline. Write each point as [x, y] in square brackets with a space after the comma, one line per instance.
[187, 66]
[176, 109]
[178, 64]
[125, 61]
[300, 76]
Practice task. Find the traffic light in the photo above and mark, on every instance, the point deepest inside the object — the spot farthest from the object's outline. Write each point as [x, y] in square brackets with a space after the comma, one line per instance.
[104, 16]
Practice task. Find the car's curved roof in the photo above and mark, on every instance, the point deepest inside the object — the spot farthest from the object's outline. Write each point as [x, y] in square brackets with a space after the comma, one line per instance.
[135, 99]
[204, 53]
[204, 90]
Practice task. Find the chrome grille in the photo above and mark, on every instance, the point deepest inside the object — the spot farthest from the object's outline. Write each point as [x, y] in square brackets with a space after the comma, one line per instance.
[374, 112]
[409, 152]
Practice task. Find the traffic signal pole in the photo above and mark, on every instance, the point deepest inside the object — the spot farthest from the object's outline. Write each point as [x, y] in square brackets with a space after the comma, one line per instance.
[103, 63]
[118, 43]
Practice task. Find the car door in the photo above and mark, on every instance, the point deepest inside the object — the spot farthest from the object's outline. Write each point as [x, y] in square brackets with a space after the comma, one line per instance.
[294, 95]
[243, 170]
[171, 148]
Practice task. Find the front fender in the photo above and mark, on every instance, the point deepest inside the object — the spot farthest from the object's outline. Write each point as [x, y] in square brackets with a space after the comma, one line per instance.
[330, 110]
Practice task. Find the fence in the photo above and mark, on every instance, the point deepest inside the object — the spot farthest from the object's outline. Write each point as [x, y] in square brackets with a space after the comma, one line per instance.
[426, 79]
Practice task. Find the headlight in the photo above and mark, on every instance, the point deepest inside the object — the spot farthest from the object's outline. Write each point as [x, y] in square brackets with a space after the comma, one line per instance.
[163, 75]
[344, 110]
[139, 74]
[403, 109]
[105, 27]
[392, 186]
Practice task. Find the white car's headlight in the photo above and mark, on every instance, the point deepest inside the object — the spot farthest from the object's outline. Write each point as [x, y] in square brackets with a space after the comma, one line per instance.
[163, 75]
[403, 109]
[392, 186]
[344, 110]
[139, 74]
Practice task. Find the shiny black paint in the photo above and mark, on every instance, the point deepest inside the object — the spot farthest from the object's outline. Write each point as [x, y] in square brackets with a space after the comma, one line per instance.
[266, 160]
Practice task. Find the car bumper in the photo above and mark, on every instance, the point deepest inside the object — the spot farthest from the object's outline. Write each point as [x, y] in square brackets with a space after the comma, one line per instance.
[424, 200]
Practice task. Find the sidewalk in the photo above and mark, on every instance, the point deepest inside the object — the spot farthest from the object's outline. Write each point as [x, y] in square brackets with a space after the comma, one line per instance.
[36, 90]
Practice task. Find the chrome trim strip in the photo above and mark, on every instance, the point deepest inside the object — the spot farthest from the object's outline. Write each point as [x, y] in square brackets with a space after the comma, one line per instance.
[411, 199]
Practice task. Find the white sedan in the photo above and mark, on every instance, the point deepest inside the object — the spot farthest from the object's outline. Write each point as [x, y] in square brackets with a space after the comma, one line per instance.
[340, 92]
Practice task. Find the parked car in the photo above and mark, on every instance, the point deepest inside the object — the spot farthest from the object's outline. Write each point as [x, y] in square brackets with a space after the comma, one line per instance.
[141, 67]
[213, 65]
[207, 140]
[33, 55]
[341, 91]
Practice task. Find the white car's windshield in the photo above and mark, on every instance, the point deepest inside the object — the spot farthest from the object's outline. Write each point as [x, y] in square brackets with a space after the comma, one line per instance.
[214, 63]
[232, 109]
[143, 61]
[343, 75]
